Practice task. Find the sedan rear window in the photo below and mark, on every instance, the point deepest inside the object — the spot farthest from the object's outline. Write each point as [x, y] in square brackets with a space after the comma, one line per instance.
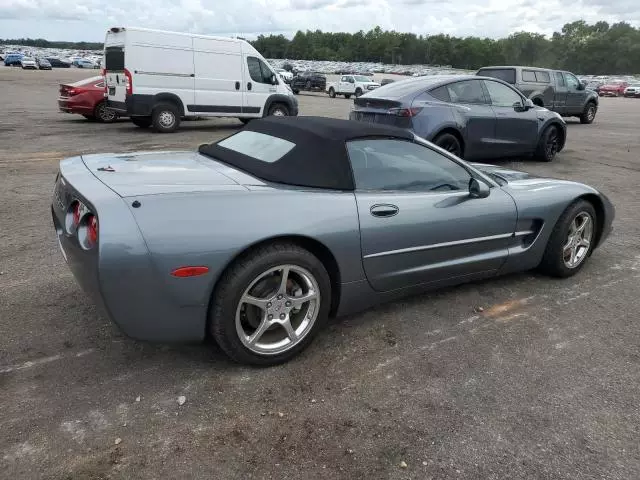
[505, 74]
[258, 145]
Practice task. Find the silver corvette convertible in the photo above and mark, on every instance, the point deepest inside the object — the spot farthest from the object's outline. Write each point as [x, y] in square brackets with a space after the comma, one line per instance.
[258, 238]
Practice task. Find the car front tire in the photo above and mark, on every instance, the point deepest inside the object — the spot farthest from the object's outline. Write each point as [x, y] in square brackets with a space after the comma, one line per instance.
[548, 144]
[589, 114]
[269, 305]
[571, 241]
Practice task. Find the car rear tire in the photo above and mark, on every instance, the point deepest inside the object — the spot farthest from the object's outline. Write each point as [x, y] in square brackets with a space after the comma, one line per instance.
[165, 118]
[258, 315]
[103, 114]
[450, 143]
[142, 122]
[278, 110]
[245, 120]
[548, 145]
[332, 92]
[571, 241]
[589, 114]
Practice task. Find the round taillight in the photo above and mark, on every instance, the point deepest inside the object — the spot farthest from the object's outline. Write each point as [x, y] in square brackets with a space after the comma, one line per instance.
[88, 231]
[77, 210]
[92, 230]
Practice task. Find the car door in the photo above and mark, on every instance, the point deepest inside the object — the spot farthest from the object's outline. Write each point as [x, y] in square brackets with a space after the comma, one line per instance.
[346, 84]
[560, 99]
[575, 94]
[258, 85]
[516, 126]
[418, 223]
[472, 111]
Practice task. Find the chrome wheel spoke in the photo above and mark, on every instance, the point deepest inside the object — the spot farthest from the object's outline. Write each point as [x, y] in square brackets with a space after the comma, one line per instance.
[578, 241]
[291, 333]
[258, 302]
[283, 281]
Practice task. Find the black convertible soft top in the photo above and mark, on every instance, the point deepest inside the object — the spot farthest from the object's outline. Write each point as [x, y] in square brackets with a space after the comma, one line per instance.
[319, 158]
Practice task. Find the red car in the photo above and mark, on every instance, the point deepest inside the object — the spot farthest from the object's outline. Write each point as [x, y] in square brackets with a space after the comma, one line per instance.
[613, 89]
[86, 97]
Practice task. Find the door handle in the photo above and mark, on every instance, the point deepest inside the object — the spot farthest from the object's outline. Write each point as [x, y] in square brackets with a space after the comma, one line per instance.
[249, 86]
[384, 210]
[237, 85]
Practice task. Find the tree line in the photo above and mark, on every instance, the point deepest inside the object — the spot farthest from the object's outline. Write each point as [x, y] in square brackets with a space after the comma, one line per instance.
[579, 47]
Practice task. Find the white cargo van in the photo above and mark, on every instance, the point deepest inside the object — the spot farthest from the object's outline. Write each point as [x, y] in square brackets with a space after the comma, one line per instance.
[157, 77]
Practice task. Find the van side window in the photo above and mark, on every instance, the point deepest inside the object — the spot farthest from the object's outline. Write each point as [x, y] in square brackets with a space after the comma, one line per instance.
[528, 76]
[258, 71]
[542, 77]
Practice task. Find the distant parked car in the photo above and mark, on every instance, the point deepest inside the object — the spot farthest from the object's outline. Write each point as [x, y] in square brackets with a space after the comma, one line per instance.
[308, 81]
[28, 63]
[594, 85]
[43, 63]
[13, 59]
[351, 85]
[86, 98]
[472, 117]
[285, 75]
[632, 90]
[84, 63]
[615, 88]
[556, 90]
[58, 63]
[386, 81]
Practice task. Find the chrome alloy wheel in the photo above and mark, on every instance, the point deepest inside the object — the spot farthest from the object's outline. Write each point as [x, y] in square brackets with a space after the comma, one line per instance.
[278, 309]
[578, 240]
[279, 112]
[591, 113]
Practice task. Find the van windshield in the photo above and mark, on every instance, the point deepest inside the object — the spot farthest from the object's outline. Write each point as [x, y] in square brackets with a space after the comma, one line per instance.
[114, 59]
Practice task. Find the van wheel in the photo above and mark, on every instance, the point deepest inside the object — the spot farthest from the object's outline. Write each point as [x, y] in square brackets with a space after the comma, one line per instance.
[278, 110]
[332, 93]
[142, 122]
[165, 118]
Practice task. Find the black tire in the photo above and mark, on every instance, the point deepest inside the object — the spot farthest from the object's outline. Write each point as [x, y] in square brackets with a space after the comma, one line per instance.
[308, 85]
[332, 92]
[245, 120]
[347, 96]
[103, 114]
[91, 118]
[553, 262]
[295, 91]
[279, 110]
[589, 114]
[142, 122]
[358, 92]
[450, 143]
[165, 118]
[237, 278]
[548, 144]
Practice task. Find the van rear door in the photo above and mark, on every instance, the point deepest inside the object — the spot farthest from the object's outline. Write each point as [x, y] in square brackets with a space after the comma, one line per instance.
[117, 79]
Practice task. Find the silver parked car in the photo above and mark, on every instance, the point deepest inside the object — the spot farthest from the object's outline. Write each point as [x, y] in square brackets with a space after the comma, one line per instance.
[258, 238]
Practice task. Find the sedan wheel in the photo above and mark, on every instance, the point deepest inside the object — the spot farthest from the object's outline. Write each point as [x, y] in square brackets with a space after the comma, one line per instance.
[571, 241]
[270, 304]
[449, 143]
[548, 145]
[104, 114]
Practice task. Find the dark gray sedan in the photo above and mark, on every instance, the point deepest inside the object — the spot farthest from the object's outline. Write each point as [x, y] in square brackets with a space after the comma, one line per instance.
[472, 117]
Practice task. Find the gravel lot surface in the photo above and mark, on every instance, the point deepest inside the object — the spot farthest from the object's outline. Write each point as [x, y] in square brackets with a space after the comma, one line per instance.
[543, 383]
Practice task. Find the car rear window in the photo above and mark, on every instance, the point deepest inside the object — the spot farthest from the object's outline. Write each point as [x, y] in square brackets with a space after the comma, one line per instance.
[441, 93]
[258, 145]
[505, 74]
[114, 59]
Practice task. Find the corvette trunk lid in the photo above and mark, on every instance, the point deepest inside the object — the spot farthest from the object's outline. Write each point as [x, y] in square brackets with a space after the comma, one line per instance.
[152, 173]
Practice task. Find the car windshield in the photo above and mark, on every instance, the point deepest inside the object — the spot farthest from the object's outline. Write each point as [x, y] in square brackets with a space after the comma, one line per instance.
[30, 59]
[361, 78]
[258, 145]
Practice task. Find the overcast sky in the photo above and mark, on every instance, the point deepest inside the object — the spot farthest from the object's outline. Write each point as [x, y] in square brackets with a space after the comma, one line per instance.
[89, 19]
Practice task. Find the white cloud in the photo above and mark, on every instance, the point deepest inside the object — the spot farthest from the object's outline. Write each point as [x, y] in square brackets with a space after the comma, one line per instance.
[89, 19]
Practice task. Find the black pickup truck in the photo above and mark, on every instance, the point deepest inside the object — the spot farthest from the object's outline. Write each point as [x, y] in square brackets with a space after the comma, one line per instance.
[309, 81]
[556, 90]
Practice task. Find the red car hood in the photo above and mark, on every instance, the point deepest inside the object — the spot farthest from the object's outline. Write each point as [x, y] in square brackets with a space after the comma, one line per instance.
[612, 87]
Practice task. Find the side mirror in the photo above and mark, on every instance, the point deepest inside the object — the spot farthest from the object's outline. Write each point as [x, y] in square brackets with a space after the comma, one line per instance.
[528, 104]
[478, 189]
[274, 80]
[581, 86]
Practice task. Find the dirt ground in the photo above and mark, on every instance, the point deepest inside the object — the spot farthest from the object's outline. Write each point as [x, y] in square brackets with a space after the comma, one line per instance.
[542, 384]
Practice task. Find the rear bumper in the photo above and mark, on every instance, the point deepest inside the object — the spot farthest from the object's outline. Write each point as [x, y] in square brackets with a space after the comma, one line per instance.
[119, 275]
[67, 105]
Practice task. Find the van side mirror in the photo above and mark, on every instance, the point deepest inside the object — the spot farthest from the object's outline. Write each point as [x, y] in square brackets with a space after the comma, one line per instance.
[478, 189]
[274, 80]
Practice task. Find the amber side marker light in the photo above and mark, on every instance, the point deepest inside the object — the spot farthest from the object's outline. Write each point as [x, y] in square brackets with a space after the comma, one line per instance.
[183, 272]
